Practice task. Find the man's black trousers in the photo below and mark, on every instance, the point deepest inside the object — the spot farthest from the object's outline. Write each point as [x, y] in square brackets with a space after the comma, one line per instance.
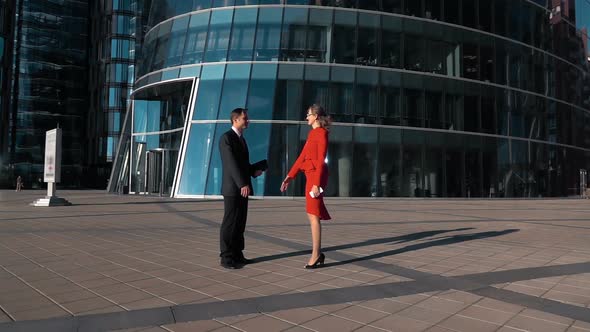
[233, 227]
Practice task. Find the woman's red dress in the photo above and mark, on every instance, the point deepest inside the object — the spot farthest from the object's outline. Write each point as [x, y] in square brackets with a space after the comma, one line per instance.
[311, 161]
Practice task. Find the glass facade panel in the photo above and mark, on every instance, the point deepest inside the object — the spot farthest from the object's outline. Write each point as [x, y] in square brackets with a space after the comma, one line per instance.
[235, 89]
[209, 94]
[344, 37]
[196, 160]
[268, 34]
[243, 33]
[218, 38]
[196, 38]
[261, 92]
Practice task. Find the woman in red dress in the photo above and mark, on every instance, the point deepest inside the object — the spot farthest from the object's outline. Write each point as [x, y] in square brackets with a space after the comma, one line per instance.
[311, 161]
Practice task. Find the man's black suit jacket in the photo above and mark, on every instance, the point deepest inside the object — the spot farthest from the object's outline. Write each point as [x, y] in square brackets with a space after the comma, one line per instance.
[235, 158]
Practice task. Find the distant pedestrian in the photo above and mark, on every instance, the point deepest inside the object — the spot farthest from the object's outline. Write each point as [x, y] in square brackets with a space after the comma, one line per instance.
[19, 183]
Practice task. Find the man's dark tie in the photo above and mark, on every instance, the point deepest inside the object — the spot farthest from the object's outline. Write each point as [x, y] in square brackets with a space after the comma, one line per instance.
[243, 141]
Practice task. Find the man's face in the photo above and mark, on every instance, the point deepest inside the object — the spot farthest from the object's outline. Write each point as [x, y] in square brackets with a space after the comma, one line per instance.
[241, 122]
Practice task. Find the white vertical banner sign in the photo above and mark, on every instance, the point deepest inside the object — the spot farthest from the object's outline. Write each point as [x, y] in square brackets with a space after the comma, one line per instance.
[52, 171]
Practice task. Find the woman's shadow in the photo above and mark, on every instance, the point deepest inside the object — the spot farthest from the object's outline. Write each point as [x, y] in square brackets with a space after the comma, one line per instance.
[446, 240]
[396, 240]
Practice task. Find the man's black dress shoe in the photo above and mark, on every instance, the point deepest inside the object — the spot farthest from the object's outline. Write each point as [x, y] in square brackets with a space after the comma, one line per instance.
[230, 264]
[244, 260]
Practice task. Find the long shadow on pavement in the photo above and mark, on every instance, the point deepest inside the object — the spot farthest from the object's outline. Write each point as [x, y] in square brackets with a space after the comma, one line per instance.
[441, 242]
[393, 240]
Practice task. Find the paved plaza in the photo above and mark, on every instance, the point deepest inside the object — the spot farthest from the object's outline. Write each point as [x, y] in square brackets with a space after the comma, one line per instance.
[130, 263]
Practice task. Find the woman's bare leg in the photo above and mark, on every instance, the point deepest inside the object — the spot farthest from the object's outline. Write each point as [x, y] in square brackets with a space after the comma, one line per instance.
[316, 237]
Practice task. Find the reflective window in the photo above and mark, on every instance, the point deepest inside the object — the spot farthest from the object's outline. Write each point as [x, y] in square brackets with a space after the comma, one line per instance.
[342, 93]
[500, 13]
[320, 24]
[412, 178]
[242, 36]
[122, 24]
[235, 89]
[162, 48]
[340, 162]
[218, 38]
[118, 73]
[432, 9]
[201, 4]
[177, 41]
[485, 15]
[366, 96]
[414, 53]
[344, 37]
[390, 98]
[344, 3]
[261, 92]
[294, 34]
[222, 3]
[392, 6]
[195, 39]
[368, 36]
[257, 137]
[268, 34]
[196, 160]
[215, 168]
[391, 42]
[469, 8]
[122, 48]
[470, 61]
[452, 11]
[123, 5]
[433, 102]
[365, 183]
[207, 104]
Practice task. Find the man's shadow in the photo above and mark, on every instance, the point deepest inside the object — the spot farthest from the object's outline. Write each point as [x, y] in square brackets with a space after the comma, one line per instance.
[392, 240]
[437, 242]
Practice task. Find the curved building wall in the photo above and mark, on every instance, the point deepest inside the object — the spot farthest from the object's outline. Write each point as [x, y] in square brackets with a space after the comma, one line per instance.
[430, 100]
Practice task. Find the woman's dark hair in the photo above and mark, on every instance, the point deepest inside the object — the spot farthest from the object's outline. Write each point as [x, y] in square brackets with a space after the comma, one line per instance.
[323, 118]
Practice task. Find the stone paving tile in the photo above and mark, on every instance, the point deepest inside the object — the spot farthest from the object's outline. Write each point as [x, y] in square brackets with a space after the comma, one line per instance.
[48, 311]
[360, 314]
[533, 324]
[262, 322]
[423, 314]
[401, 323]
[331, 323]
[466, 324]
[297, 316]
[201, 326]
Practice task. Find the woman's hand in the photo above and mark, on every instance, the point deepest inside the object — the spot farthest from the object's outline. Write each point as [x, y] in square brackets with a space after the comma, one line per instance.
[316, 191]
[285, 184]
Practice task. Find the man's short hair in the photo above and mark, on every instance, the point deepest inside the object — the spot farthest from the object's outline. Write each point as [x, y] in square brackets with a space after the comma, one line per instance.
[237, 112]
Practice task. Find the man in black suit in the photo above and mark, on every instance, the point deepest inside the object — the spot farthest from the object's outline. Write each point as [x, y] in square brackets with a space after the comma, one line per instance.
[236, 187]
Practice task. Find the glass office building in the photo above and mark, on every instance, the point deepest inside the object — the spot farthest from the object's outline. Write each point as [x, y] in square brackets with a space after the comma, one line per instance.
[430, 98]
[46, 86]
[115, 26]
[6, 23]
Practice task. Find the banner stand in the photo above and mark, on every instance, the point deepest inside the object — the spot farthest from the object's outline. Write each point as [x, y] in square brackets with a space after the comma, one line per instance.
[52, 173]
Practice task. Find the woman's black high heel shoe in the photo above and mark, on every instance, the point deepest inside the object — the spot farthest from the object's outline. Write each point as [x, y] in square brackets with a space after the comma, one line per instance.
[318, 263]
